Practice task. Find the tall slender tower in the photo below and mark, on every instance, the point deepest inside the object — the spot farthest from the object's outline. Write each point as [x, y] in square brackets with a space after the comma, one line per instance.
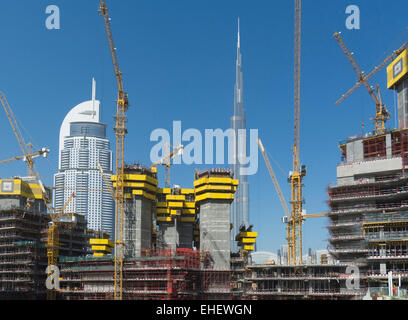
[240, 205]
[82, 144]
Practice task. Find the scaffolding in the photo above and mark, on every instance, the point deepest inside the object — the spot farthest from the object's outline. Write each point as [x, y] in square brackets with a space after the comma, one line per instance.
[163, 274]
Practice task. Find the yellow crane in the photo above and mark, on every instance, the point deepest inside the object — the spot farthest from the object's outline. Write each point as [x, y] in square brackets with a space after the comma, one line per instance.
[55, 215]
[166, 161]
[107, 182]
[364, 78]
[44, 151]
[122, 104]
[287, 217]
[294, 226]
[382, 114]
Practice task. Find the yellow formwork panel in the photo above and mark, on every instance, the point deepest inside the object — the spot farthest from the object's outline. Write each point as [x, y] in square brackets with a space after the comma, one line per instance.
[21, 188]
[397, 69]
[247, 234]
[213, 180]
[249, 248]
[175, 197]
[187, 219]
[106, 242]
[187, 211]
[248, 240]
[137, 177]
[209, 195]
[175, 212]
[98, 254]
[166, 219]
[161, 204]
[215, 187]
[144, 194]
[189, 204]
[173, 204]
[164, 190]
[138, 185]
[101, 248]
[187, 191]
[163, 210]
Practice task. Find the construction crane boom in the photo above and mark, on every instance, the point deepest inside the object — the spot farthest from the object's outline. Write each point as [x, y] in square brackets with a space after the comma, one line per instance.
[55, 215]
[44, 151]
[382, 114]
[392, 56]
[166, 161]
[108, 184]
[274, 180]
[120, 132]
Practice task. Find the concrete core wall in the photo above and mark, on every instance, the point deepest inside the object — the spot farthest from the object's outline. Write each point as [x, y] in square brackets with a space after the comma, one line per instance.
[176, 234]
[137, 226]
[215, 232]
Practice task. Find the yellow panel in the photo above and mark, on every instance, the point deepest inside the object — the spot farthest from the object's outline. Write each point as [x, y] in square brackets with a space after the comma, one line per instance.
[175, 204]
[226, 196]
[163, 218]
[144, 194]
[213, 180]
[101, 248]
[137, 177]
[187, 219]
[248, 240]
[188, 211]
[101, 241]
[161, 204]
[189, 204]
[214, 187]
[248, 234]
[249, 248]
[187, 191]
[163, 210]
[164, 190]
[175, 197]
[98, 254]
[174, 212]
[397, 69]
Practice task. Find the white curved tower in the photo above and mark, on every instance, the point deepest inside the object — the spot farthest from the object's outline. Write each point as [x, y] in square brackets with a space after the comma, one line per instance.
[82, 143]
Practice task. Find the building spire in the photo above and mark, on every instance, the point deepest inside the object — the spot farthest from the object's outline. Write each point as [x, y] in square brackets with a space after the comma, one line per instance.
[238, 35]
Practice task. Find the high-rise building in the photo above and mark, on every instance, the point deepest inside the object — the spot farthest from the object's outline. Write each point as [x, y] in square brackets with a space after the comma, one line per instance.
[83, 143]
[240, 206]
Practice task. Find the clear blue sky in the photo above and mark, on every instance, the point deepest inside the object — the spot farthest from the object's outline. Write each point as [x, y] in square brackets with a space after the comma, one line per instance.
[178, 59]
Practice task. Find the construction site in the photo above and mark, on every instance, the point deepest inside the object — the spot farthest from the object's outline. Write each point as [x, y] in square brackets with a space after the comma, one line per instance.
[175, 243]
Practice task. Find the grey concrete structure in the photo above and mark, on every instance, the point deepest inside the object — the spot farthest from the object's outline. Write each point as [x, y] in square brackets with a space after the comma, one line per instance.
[137, 226]
[176, 234]
[402, 96]
[215, 232]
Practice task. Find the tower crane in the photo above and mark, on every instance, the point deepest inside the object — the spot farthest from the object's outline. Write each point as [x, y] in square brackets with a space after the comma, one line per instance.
[294, 226]
[122, 104]
[43, 151]
[364, 78]
[166, 161]
[55, 215]
[382, 114]
[287, 217]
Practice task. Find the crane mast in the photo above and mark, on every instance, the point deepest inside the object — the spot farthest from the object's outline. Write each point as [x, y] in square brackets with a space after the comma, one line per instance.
[294, 226]
[120, 132]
